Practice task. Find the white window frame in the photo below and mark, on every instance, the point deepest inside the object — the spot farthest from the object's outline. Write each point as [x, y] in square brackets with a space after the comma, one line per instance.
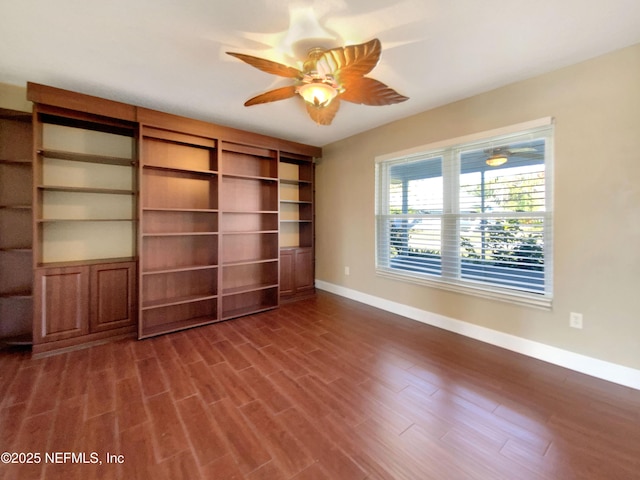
[450, 162]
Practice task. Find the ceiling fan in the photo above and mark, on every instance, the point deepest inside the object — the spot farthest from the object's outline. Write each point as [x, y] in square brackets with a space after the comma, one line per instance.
[499, 155]
[326, 78]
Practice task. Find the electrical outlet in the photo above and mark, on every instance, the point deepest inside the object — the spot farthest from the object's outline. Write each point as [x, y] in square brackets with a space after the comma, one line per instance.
[346, 271]
[575, 320]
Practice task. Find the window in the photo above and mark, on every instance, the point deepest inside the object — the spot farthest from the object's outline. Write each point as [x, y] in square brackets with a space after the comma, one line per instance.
[447, 218]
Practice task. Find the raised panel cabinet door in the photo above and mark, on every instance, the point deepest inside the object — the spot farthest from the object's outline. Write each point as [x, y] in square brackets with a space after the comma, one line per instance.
[286, 272]
[303, 269]
[61, 303]
[112, 296]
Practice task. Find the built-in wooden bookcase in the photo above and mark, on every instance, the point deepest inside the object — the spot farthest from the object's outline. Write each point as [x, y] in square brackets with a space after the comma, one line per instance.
[249, 229]
[183, 221]
[16, 275]
[179, 241]
[85, 220]
[296, 225]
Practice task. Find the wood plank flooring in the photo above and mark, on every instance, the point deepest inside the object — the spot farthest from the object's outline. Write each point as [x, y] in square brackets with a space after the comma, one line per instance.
[325, 388]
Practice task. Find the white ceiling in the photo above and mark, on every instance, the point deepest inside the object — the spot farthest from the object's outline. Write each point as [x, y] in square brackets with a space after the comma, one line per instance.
[169, 55]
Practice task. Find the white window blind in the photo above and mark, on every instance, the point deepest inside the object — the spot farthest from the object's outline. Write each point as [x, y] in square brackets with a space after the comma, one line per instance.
[446, 217]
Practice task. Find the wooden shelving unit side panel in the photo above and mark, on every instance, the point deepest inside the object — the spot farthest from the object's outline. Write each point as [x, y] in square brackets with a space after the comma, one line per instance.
[16, 227]
[16, 136]
[15, 184]
[16, 278]
[17, 315]
[16, 230]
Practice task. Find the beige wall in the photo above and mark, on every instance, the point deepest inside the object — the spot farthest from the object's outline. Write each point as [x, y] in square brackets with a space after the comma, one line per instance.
[596, 106]
[13, 97]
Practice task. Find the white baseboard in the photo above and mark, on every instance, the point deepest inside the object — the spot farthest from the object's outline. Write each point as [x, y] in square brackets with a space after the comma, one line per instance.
[611, 372]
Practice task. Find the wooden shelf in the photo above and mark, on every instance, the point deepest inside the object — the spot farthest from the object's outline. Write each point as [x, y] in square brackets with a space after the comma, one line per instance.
[17, 207]
[246, 310]
[66, 220]
[77, 263]
[179, 234]
[295, 181]
[16, 163]
[250, 177]
[196, 210]
[248, 288]
[181, 170]
[296, 202]
[86, 157]
[69, 189]
[250, 211]
[24, 340]
[18, 294]
[242, 232]
[179, 269]
[249, 262]
[167, 302]
[176, 326]
[171, 318]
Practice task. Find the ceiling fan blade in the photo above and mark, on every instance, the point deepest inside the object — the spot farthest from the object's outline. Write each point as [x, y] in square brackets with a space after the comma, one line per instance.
[521, 150]
[528, 155]
[323, 115]
[368, 91]
[351, 61]
[268, 66]
[272, 96]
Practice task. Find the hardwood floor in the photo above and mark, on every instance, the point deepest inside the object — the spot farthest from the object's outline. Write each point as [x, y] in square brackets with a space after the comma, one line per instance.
[325, 388]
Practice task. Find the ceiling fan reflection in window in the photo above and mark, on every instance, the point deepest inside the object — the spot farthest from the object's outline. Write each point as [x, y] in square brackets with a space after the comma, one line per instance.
[328, 77]
[500, 155]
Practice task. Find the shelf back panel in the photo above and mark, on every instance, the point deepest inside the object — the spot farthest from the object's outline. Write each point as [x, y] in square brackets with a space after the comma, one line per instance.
[179, 222]
[174, 155]
[162, 189]
[78, 241]
[160, 253]
[179, 284]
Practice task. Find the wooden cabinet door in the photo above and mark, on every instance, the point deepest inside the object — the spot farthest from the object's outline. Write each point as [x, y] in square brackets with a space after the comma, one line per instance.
[112, 296]
[303, 269]
[61, 303]
[296, 271]
[286, 272]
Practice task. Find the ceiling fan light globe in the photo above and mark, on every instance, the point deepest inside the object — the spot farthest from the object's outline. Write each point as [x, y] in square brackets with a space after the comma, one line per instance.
[317, 93]
[496, 160]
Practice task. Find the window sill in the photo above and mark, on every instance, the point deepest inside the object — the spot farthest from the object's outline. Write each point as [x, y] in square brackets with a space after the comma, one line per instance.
[492, 293]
